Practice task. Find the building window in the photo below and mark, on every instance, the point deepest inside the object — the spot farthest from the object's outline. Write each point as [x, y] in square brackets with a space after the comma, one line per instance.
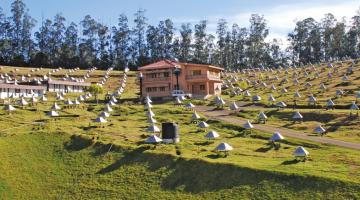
[152, 75]
[166, 74]
[17, 90]
[202, 87]
[214, 73]
[162, 89]
[148, 89]
[197, 72]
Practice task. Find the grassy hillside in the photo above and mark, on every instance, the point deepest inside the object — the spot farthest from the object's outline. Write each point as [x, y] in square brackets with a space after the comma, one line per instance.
[338, 123]
[45, 163]
[55, 166]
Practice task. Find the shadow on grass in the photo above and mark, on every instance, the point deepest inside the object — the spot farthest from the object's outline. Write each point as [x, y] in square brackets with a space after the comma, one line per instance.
[128, 158]
[335, 126]
[77, 143]
[198, 176]
[213, 156]
[264, 149]
[290, 162]
[204, 143]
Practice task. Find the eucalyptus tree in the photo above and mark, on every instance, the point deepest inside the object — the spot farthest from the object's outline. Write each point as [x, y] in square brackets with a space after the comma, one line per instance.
[57, 38]
[69, 55]
[18, 9]
[153, 43]
[5, 38]
[306, 41]
[327, 25]
[199, 42]
[210, 49]
[222, 44]
[168, 34]
[103, 45]
[87, 47]
[258, 31]
[121, 41]
[185, 42]
[138, 39]
[338, 43]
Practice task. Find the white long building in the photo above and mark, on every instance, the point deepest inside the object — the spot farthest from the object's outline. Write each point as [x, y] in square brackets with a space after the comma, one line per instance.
[16, 91]
[66, 86]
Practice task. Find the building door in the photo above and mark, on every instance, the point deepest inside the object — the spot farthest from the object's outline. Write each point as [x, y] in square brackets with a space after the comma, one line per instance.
[211, 88]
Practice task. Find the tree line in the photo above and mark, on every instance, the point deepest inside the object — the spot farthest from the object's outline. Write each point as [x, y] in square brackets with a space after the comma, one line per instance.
[59, 43]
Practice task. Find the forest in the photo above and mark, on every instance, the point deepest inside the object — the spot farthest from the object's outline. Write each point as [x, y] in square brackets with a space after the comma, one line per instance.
[134, 43]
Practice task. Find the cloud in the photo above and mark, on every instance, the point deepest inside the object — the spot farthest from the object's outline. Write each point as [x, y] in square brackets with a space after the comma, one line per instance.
[282, 18]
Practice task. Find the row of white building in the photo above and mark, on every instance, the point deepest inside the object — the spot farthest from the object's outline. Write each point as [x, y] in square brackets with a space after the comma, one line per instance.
[38, 87]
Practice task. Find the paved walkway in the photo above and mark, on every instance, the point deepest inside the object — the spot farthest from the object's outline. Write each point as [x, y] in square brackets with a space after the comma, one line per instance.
[223, 115]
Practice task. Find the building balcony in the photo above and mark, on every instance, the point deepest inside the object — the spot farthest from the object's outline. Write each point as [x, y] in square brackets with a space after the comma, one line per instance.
[157, 79]
[203, 77]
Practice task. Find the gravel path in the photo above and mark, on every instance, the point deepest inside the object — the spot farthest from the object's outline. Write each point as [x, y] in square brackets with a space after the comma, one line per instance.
[223, 115]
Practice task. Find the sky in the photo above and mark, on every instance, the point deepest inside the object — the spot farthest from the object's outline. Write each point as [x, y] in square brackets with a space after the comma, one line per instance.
[281, 15]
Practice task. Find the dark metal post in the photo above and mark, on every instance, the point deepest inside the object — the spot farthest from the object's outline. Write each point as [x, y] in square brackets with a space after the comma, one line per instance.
[140, 76]
[177, 73]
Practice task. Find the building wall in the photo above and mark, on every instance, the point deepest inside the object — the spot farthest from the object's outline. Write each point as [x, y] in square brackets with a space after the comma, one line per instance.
[192, 79]
[17, 93]
[62, 88]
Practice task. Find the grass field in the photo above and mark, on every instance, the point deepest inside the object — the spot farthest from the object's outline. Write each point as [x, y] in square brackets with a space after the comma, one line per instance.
[338, 123]
[55, 166]
[68, 158]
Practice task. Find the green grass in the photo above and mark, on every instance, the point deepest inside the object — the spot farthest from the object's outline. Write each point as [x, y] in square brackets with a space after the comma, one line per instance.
[339, 127]
[44, 163]
[54, 166]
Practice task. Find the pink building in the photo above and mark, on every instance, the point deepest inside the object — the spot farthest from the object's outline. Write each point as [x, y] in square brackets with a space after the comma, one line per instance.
[199, 80]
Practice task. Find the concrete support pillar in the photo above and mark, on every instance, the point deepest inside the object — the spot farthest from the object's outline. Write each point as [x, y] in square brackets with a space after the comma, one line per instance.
[207, 88]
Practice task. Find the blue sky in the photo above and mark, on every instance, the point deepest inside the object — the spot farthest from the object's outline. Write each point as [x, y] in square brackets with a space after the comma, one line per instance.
[281, 14]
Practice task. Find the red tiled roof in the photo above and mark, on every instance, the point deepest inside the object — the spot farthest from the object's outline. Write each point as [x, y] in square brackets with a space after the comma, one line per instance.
[24, 87]
[163, 64]
[160, 65]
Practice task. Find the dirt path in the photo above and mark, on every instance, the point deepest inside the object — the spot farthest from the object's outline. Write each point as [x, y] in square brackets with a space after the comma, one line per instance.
[223, 115]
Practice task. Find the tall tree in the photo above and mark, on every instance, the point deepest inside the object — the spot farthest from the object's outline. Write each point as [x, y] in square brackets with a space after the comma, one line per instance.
[155, 49]
[238, 46]
[353, 36]
[18, 9]
[139, 45]
[221, 42]
[185, 43]
[168, 38]
[256, 42]
[338, 43]
[87, 48]
[209, 50]
[121, 37]
[307, 39]
[70, 46]
[200, 40]
[43, 38]
[27, 44]
[103, 45]
[57, 38]
[328, 24]
[5, 38]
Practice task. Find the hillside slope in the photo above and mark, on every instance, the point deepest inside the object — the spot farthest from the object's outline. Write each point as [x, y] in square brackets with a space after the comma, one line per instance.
[54, 166]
